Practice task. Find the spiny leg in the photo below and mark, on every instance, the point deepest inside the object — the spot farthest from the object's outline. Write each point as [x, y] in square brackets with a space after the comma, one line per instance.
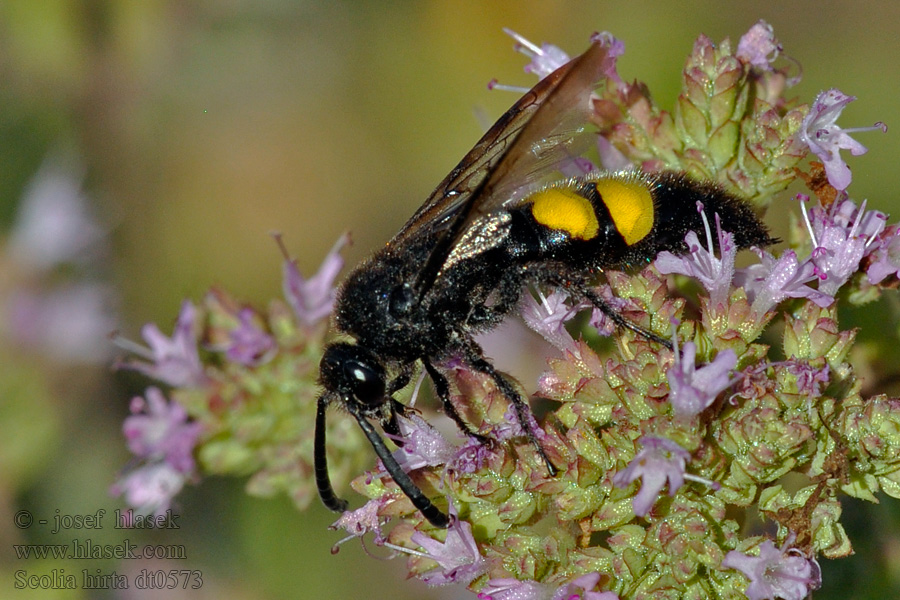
[506, 297]
[442, 387]
[618, 319]
[581, 288]
[523, 410]
[401, 380]
[389, 424]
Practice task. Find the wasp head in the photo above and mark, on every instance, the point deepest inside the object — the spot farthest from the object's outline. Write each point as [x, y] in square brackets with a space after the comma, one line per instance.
[353, 374]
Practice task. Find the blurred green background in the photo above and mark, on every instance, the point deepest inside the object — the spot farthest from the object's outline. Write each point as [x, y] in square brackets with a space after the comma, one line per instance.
[202, 126]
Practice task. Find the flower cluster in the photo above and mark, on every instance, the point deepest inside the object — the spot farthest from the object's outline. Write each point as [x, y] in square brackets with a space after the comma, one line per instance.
[663, 452]
[249, 389]
[54, 296]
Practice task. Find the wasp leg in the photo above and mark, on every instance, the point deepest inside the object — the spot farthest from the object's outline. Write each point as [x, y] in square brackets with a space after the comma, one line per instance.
[523, 411]
[320, 460]
[618, 319]
[401, 380]
[442, 387]
[389, 423]
[509, 290]
[391, 427]
[415, 495]
[581, 288]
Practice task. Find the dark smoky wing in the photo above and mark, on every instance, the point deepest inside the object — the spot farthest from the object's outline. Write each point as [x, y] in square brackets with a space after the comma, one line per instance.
[556, 133]
[531, 136]
[536, 134]
[461, 185]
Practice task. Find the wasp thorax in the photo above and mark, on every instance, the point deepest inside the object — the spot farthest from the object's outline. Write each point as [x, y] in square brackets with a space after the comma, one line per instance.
[353, 373]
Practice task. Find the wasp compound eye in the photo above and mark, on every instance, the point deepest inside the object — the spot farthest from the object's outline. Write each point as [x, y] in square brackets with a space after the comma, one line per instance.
[352, 372]
[365, 383]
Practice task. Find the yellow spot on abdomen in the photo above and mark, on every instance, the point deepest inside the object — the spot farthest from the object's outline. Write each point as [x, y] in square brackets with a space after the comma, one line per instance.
[563, 209]
[631, 207]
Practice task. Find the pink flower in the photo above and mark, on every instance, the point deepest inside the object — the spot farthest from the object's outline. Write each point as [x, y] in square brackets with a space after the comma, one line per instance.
[886, 255]
[840, 240]
[715, 274]
[54, 224]
[160, 430]
[159, 433]
[313, 299]
[659, 461]
[512, 589]
[423, 445]
[548, 317]
[49, 306]
[248, 344]
[150, 488]
[69, 322]
[361, 521]
[825, 139]
[583, 588]
[175, 360]
[507, 588]
[784, 573]
[775, 279]
[691, 389]
[758, 47]
[614, 49]
[458, 558]
[545, 58]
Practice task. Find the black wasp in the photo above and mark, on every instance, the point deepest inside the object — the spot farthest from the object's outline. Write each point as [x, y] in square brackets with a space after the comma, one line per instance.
[459, 265]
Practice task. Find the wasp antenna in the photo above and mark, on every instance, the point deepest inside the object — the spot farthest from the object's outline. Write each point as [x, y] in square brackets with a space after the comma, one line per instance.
[320, 460]
[419, 500]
